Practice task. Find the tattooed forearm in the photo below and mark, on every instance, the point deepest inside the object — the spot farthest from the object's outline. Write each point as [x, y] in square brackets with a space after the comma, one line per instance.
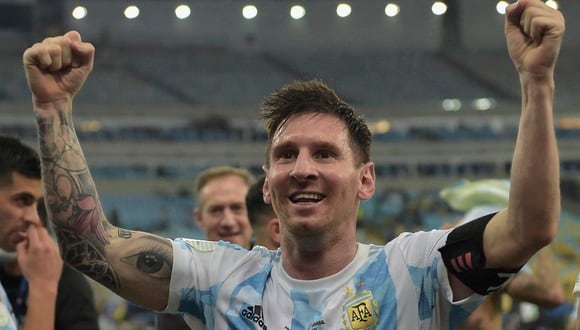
[87, 258]
[70, 191]
[115, 258]
[134, 265]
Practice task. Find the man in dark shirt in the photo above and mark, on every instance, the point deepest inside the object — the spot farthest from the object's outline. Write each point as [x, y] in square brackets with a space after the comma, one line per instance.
[75, 305]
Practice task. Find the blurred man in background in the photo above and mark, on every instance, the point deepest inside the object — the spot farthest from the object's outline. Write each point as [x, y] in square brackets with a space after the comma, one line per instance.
[32, 256]
[221, 205]
[221, 214]
[264, 220]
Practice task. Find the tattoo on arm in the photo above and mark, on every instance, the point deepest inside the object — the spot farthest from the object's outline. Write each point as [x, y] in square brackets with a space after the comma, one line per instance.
[87, 258]
[153, 257]
[122, 260]
[70, 191]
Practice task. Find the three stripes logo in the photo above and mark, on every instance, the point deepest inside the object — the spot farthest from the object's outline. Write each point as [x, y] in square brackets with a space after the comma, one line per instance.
[462, 263]
[255, 314]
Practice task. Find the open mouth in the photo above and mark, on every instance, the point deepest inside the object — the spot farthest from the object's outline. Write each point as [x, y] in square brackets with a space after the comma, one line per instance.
[306, 197]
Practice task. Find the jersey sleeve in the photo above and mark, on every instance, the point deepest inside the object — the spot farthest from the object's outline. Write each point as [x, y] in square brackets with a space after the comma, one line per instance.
[418, 252]
[205, 273]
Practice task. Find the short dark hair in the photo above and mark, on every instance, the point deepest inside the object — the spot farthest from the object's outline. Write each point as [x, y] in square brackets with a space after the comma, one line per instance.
[315, 96]
[16, 156]
[258, 211]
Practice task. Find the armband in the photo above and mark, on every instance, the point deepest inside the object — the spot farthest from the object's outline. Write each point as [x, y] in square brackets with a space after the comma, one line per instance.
[464, 257]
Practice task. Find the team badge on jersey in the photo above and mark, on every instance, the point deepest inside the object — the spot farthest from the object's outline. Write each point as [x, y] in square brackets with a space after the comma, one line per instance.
[361, 312]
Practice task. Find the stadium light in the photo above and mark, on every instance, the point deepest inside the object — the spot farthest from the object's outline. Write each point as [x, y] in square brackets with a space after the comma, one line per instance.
[249, 11]
[439, 8]
[79, 12]
[392, 9]
[182, 11]
[451, 104]
[501, 6]
[483, 104]
[297, 12]
[343, 10]
[131, 12]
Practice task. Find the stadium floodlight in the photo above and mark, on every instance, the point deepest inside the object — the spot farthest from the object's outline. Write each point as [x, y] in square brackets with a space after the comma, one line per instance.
[501, 6]
[343, 10]
[392, 9]
[131, 12]
[297, 12]
[79, 12]
[451, 104]
[439, 8]
[182, 11]
[483, 103]
[249, 11]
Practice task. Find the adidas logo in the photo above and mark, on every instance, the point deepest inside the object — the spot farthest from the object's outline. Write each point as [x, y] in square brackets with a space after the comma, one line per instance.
[462, 263]
[255, 315]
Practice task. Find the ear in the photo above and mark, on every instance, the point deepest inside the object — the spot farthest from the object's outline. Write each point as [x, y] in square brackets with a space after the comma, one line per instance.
[266, 187]
[197, 217]
[367, 181]
[274, 230]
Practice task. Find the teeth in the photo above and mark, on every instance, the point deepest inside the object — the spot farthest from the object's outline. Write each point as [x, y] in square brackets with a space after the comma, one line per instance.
[306, 197]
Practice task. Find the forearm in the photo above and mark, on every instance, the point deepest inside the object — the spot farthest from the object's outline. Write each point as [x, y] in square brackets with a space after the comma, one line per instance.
[111, 256]
[41, 307]
[534, 205]
[72, 199]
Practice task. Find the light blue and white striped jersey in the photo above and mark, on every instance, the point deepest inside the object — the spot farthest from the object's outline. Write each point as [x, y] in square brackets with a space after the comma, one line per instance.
[7, 317]
[402, 285]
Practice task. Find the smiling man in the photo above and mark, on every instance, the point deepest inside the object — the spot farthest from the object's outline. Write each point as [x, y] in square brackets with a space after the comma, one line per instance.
[318, 170]
[221, 204]
[222, 215]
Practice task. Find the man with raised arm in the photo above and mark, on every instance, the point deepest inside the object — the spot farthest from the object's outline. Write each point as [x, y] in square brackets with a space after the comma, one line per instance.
[318, 169]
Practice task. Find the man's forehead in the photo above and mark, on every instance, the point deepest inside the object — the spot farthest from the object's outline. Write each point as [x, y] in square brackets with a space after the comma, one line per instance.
[220, 194]
[312, 129]
[22, 184]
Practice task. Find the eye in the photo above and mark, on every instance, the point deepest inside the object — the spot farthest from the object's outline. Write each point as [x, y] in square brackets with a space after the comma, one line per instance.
[24, 200]
[152, 263]
[324, 154]
[215, 210]
[287, 155]
[238, 208]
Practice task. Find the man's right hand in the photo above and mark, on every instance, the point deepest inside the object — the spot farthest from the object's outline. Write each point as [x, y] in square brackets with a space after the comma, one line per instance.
[39, 258]
[57, 68]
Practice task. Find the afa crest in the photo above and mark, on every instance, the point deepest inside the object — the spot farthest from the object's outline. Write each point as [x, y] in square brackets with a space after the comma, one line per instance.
[361, 312]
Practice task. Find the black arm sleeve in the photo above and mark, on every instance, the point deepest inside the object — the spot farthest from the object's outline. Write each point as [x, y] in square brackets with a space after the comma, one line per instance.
[464, 257]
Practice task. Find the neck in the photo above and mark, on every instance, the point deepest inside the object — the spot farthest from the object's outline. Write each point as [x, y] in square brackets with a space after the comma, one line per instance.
[304, 261]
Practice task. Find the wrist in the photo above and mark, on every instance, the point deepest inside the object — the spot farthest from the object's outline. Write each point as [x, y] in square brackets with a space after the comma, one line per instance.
[43, 110]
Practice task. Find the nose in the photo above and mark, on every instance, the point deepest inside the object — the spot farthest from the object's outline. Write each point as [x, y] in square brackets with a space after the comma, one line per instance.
[304, 168]
[31, 215]
[229, 218]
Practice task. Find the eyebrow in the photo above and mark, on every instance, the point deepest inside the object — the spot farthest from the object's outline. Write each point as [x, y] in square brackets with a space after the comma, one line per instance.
[317, 144]
[27, 195]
